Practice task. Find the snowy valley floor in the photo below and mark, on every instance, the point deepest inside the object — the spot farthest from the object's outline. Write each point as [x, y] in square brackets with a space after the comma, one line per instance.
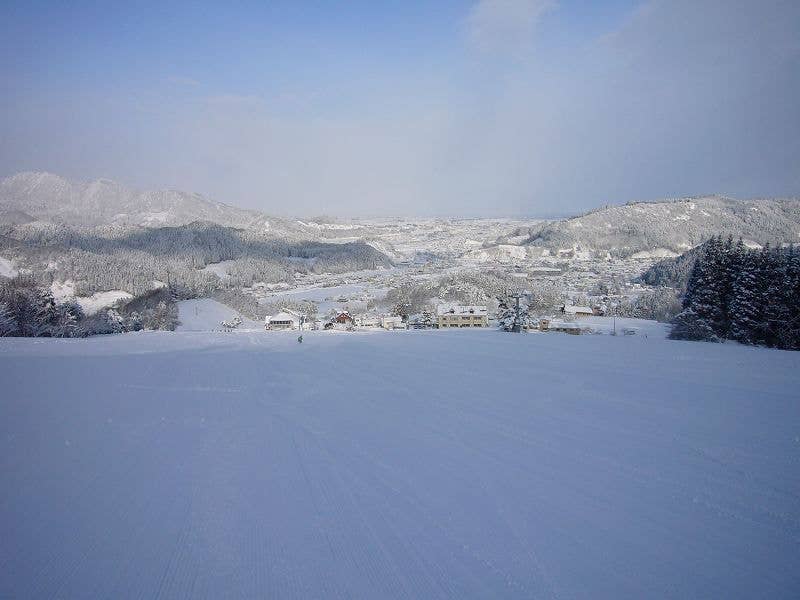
[424, 464]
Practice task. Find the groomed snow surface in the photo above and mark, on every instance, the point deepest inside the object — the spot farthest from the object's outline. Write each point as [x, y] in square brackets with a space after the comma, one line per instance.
[205, 314]
[419, 464]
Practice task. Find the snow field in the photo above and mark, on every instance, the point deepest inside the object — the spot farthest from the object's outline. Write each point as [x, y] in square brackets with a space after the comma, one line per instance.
[436, 464]
[95, 302]
[7, 268]
[205, 314]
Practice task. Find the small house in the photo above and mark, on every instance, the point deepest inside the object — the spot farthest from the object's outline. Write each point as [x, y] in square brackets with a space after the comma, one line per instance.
[344, 318]
[341, 320]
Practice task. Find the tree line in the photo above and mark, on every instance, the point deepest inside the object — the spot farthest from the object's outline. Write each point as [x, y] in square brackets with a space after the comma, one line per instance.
[29, 310]
[735, 293]
[132, 258]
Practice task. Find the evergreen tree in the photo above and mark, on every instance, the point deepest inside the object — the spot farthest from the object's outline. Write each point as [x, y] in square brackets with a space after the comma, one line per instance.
[68, 320]
[403, 310]
[506, 315]
[735, 293]
[730, 265]
[33, 308]
[507, 318]
[133, 322]
[702, 302]
[689, 326]
[8, 321]
[747, 306]
[782, 319]
[793, 298]
[774, 276]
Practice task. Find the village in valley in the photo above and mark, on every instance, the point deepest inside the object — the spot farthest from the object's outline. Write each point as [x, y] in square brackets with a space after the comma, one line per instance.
[570, 319]
[453, 274]
[391, 300]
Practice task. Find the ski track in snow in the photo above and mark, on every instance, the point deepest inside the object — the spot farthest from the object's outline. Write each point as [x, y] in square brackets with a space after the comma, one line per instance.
[463, 464]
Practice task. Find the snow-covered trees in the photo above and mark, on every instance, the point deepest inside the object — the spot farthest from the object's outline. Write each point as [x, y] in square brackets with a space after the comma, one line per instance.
[509, 318]
[658, 304]
[688, 325]
[164, 316]
[749, 300]
[749, 296]
[68, 320]
[8, 321]
[27, 310]
[402, 309]
[507, 315]
[410, 298]
[476, 287]
[32, 309]
[134, 258]
[625, 230]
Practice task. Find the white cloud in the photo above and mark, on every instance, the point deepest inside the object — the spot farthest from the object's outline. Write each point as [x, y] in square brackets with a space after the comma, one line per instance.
[684, 97]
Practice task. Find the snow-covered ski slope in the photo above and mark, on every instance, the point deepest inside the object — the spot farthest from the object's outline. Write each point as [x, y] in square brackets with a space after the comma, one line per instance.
[205, 314]
[420, 464]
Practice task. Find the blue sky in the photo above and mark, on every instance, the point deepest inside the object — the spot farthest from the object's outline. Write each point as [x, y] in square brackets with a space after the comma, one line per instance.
[488, 107]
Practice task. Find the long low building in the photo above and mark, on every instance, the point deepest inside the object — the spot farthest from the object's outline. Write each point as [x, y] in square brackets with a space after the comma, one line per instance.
[453, 316]
[286, 319]
[577, 311]
[392, 322]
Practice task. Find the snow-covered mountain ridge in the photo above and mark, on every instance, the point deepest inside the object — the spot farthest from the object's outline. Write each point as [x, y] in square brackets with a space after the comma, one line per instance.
[48, 197]
[672, 226]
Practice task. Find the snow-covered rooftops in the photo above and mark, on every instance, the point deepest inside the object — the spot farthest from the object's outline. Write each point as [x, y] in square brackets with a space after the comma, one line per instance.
[578, 310]
[283, 316]
[456, 309]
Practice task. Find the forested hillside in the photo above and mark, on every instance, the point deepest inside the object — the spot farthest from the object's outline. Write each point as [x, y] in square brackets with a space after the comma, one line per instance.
[672, 272]
[133, 258]
[49, 197]
[672, 226]
[751, 296]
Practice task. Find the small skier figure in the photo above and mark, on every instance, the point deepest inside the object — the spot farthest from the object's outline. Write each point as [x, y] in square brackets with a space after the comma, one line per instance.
[300, 340]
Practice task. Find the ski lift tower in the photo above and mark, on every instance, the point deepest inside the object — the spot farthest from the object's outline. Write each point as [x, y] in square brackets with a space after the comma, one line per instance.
[517, 326]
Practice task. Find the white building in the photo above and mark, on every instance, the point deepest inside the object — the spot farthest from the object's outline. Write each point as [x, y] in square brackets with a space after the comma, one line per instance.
[577, 311]
[392, 322]
[286, 319]
[368, 321]
[561, 326]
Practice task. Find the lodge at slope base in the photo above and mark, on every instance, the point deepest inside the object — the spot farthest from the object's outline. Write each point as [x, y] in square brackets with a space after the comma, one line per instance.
[461, 316]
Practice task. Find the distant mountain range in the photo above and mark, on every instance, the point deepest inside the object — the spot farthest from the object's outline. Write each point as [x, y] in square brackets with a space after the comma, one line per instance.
[652, 229]
[669, 228]
[38, 196]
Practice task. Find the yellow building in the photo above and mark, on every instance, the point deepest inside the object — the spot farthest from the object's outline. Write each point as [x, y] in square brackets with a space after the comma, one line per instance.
[448, 317]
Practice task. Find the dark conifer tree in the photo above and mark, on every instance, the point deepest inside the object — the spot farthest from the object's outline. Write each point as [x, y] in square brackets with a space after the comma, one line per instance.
[747, 307]
[701, 304]
[8, 321]
[793, 293]
[730, 265]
